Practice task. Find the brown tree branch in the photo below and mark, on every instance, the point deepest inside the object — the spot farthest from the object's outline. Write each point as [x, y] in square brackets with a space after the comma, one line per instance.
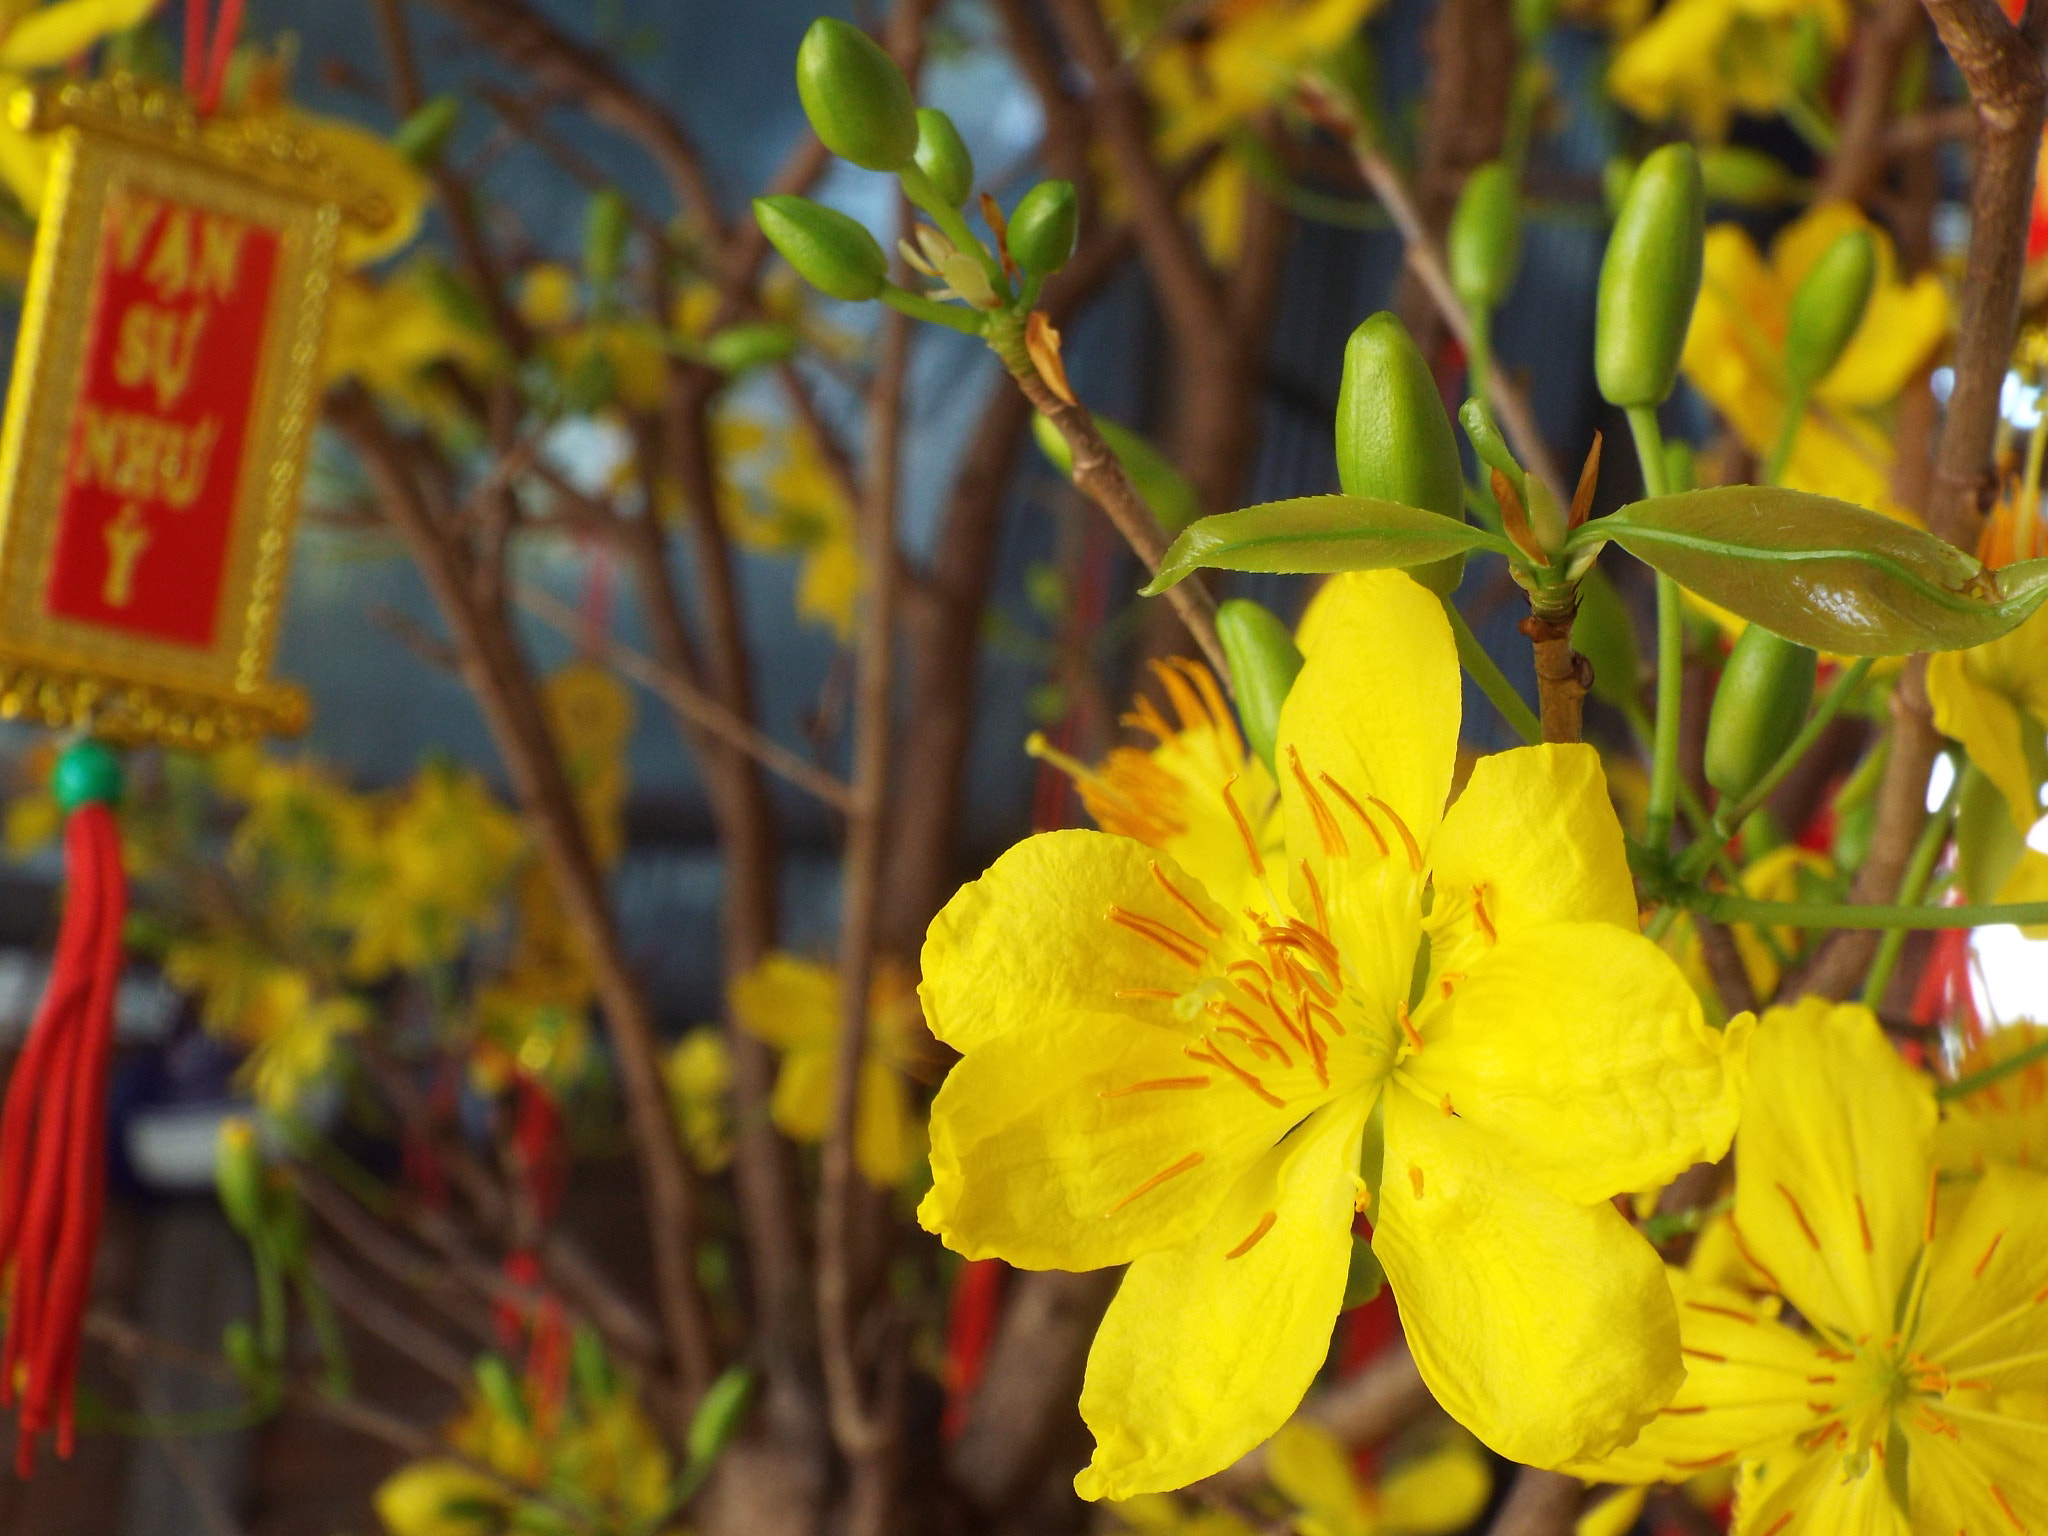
[1864, 143]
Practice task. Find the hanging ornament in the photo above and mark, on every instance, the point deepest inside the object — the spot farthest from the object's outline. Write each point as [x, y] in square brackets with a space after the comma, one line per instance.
[164, 392]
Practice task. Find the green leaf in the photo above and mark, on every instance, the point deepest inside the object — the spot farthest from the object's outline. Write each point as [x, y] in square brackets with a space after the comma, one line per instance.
[1823, 572]
[1319, 534]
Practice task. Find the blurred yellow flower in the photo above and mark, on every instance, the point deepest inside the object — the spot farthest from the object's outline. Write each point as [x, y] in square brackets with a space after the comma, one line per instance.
[794, 1005]
[441, 1497]
[34, 38]
[1442, 1489]
[548, 296]
[1734, 354]
[1708, 59]
[387, 333]
[273, 1010]
[783, 499]
[2005, 1121]
[699, 1072]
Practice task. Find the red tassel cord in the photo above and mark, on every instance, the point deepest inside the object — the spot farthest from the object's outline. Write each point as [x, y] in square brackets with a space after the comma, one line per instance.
[207, 58]
[53, 1166]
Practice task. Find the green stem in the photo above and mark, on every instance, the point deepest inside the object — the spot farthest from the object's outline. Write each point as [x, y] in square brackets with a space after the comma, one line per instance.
[1730, 818]
[1933, 837]
[2030, 489]
[1649, 440]
[1491, 680]
[1479, 355]
[1810, 123]
[1788, 434]
[1997, 1072]
[1823, 914]
[1482, 509]
[967, 322]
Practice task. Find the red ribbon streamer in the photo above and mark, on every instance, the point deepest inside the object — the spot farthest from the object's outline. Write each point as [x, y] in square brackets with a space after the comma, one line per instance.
[53, 1166]
[206, 62]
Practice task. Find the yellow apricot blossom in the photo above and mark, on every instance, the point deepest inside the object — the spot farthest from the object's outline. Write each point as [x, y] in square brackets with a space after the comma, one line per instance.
[1172, 796]
[43, 37]
[2006, 1120]
[1891, 1375]
[789, 502]
[1706, 60]
[698, 1068]
[1442, 1489]
[793, 1004]
[1734, 353]
[1211, 1093]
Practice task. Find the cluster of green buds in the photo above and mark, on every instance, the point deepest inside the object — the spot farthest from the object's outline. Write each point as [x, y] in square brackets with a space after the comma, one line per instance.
[861, 107]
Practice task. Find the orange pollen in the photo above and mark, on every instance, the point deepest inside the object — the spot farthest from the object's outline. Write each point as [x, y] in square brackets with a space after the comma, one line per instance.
[1216, 1058]
[1415, 1180]
[2041, 1295]
[1820, 1381]
[1152, 1083]
[1356, 809]
[1407, 837]
[1336, 1027]
[1706, 1461]
[1863, 1221]
[1479, 912]
[1820, 1407]
[1800, 1216]
[1780, 1523]
[1985, 1262]
[1315, 893]
[1688, 1409]
[1408, 1026]
[1223, 1010]
[1703, 1354]
[1192, 1160]
[1742, 1248]
[1730, 1312]
[1244, 828]
[1261, 1047]
[1265, 1225]
[1448, 982]
[1202, 919]
[1327, 831]
[1999, 1494]
[1444, 1104]
[1318, 1052]
[1306, 982]
[1154, 994]
[1189, 952]
[1933, 1188]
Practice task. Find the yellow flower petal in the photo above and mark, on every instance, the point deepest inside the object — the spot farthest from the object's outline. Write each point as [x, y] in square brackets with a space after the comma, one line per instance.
[1376, 706]
[883, 1139]
[801, 1105]
[1305, 1462]
[1032, 938]
[1987, 1478]
[1615, 1515]
[1984, 1284]
[1209, 1346]
[56, 34]
[1511, 1296]
[787, 1002]
[1582, 1049]
[1982, 697]
[2005, 1122]
[1747, 1384]
[1442, 1490]
[1817, 1496]
[1832, 1166]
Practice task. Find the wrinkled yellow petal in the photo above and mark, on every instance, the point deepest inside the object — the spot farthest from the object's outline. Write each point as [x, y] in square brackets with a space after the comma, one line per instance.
[1442, 1490]
[56, 34]
[1981, 1307]
[1032, 937]
[1983, 697]
[1543, 1326]
[1209, 1346]
[1836, 1144]
[1376, 707]
[1748, 1381]
[1583, 1051]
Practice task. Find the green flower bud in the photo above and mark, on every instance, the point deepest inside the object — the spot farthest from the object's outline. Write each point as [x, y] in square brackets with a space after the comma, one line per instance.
[498, 1388]
[719, 1415]
[738, 348]
[1043, 227]
[1486, 238]
[856, 98]
[942, 156]
[1488, 443]
[1605, 635]
[1264, 661]
[1166, 491]
[1649, 279]
[422, 136]
[238, 1175]
[605, 223]
[86, 772]
[1760, 705]
[833, 253]
[1827, 308]
[1394, 441]
[1747, 177]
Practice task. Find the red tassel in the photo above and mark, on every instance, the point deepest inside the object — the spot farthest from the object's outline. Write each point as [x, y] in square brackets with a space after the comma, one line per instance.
[970, 1330]
[53, 1166]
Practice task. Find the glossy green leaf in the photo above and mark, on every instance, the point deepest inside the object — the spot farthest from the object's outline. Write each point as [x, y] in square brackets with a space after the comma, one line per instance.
[1823, 572]
[1319, 534]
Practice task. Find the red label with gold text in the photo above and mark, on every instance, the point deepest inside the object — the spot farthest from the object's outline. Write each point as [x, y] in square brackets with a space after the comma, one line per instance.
[181, 298]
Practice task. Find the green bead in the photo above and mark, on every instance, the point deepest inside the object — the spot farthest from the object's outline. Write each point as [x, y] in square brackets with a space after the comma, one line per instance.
[87, 772]
[1394, 441]
[833, 253]
[422, 136]
[1649, 278]
[1264, 661]
[1044, 226]
[1828, 306]
[1485, 245]
[942, 156]
[1760, 705]
[857, 100]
